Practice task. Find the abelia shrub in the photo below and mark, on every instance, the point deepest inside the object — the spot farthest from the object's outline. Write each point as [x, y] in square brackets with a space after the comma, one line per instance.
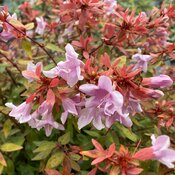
[77, 71]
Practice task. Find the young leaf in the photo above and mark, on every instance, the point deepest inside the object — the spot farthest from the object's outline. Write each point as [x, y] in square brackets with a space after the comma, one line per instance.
[29, 26]
[64, 139]
[26, 45]
[7, 128]
[55, 160]
[45, 146]
[9, 147]
[42, 155]
[126, 132]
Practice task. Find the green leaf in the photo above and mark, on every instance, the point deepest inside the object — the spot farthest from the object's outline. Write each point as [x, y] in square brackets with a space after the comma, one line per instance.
[45, 146]
[54, 47]
[26, 45]
[16, 23]
[4, 110]
[10, 167]
[9, 147]
[7, 128]
[42, 155]
[126, 132]
[122, 61]
[29, 26]
[55, 160]
[74, 165]
[64, 139]
[92, 133]
[1, 168]
[3, 67]
[75, 157]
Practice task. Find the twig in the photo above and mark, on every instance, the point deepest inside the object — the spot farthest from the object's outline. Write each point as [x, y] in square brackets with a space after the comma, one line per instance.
[168, 172]
[12, 78]
[95, 49]
[14, 64]
[40, 45]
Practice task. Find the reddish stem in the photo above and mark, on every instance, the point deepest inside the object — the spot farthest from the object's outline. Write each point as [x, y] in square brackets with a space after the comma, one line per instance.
[40, 45]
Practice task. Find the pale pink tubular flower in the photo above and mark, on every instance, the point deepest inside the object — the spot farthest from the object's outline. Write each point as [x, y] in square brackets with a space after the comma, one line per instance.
[69, 106]
[30, 73]
[69, 70]
[21, 112]
[161, 150]
[43, 118]
[160, 81]
[104, 104]
[141, 61]
[41, 25]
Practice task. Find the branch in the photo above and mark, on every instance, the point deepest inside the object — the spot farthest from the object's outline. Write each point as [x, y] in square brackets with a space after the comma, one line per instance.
[40, 45]
[14, 64]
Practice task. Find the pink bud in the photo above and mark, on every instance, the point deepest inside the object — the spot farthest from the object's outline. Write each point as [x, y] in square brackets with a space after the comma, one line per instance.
[161, 81]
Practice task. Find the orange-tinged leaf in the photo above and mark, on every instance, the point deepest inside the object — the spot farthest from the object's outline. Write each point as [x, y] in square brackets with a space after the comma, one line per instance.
[98, 160]
[144, 154]
[134, 171]
[90, 153]
[97, 145]
[106, 60]
[52, 172]
[114, 171]
[54, 82]
[111, 150]
[50, 97]
[2, 160]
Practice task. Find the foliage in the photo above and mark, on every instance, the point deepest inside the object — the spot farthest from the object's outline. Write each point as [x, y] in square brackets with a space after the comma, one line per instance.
[79, 74]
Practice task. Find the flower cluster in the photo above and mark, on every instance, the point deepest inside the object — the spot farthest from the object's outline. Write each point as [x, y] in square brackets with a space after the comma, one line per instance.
[111, 99]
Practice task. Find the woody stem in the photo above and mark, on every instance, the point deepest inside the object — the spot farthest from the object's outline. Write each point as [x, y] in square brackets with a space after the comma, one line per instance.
[40, 45]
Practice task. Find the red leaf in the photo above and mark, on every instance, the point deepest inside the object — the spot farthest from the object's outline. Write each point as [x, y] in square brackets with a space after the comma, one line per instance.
[86, 55]
[134, 171]
[87, 64]
[93, 171]
[97, 145]
[54, 82]
[144, 154]
[111, 150]
[52, 172]
[30, 98]
[76, 43]
[98, 160]
[50, 97]
[38, 70]
[106, 60]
